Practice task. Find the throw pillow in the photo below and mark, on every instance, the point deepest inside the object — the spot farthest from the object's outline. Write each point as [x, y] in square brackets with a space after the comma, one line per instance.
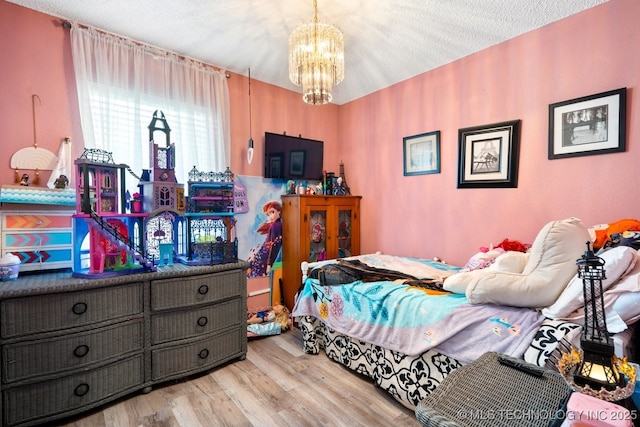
[617, 261]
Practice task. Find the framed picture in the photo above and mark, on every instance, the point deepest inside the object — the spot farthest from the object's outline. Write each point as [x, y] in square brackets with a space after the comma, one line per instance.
[275, 164]
[296, 162]
[589, 125]
[421, 153]
[488, 155]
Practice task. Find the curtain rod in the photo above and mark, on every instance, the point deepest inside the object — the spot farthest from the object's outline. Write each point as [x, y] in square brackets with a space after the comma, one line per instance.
[68, 25]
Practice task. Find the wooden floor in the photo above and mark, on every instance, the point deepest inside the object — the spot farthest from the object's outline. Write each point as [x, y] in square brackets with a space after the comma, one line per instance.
[277, 385]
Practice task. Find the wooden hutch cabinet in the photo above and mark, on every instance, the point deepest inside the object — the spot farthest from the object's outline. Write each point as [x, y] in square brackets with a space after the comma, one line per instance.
[315, 228]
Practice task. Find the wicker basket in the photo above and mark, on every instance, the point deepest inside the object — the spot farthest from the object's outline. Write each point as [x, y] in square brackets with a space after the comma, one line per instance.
[489, 393]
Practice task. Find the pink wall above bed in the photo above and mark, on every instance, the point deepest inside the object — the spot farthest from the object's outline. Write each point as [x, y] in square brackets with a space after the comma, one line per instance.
[426, 216]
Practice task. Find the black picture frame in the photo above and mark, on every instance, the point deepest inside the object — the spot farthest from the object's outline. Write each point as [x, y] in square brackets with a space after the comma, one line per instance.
[421, 153]
[488, 155]
[296, 162]
[594, 124]
[275, 165]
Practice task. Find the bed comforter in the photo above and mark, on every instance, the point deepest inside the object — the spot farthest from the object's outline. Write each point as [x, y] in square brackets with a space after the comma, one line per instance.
[413, 319]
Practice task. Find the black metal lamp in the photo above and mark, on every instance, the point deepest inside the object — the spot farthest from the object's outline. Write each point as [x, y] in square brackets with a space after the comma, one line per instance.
[597, 369]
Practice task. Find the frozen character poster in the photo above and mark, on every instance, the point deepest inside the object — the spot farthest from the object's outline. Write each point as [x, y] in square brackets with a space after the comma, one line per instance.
[259, 230]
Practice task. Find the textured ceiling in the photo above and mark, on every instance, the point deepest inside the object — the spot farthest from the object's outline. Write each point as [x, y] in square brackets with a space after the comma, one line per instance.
[386, 41]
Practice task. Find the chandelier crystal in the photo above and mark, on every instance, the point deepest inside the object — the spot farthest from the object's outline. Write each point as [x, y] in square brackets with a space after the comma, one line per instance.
[316, 59]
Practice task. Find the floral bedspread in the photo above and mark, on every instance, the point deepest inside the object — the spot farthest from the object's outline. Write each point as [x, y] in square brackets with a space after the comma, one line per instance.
[412, 320]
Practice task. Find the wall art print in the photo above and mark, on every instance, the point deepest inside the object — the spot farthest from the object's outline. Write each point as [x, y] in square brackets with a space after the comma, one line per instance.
[488, 155]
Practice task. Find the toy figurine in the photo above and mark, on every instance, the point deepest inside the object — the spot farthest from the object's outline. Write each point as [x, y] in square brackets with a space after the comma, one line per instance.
[24, 180]
[340, 189]
[61, 182]
[278, 314]
[291, 187]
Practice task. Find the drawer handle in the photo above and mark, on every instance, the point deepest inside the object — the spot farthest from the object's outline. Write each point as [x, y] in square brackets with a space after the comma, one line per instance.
[202, 290]
[81, 390]
[81, 350]
[203, 321]
[79, 308]
[204, 353]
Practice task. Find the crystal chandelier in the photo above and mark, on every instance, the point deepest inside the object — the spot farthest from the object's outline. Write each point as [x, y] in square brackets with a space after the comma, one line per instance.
[316, 59]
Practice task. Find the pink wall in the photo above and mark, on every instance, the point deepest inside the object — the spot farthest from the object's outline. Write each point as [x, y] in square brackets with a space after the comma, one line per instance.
[425, 215]
[35, 54]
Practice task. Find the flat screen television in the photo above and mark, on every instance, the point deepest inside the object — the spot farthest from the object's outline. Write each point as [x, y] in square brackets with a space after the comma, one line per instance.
[292, 157]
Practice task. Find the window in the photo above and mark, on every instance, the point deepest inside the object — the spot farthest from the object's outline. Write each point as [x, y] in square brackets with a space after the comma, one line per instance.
[120, 86]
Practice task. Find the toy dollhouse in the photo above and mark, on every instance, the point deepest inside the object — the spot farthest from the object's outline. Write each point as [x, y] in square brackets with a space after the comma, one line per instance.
[113, 237]
[116, 242]
[210, 219]
[162, 196]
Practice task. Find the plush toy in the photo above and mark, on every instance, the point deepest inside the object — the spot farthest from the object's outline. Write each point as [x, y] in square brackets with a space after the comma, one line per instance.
[487, 256]
[482, 259]
[601, 233]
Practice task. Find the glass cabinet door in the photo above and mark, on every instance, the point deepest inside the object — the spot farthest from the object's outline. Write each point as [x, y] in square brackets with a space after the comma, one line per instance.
[317, 235]
[344, 233]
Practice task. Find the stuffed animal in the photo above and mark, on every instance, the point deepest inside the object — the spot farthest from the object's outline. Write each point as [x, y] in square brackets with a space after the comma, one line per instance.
[601, 233]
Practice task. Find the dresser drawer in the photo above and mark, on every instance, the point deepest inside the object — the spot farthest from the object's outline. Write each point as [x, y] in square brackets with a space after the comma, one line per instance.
[44, 357]
[175, 325]
[36, 239]
[36, 220]
[44, 313]
[42, 258]
[186, 291]
[42, 240]
[176, 361]
[28, 403]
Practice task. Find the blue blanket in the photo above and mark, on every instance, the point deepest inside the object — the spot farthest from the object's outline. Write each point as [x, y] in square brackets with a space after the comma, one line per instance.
[412, 320]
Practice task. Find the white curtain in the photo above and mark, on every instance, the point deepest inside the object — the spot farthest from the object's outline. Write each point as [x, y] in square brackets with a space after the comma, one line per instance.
[121, 83]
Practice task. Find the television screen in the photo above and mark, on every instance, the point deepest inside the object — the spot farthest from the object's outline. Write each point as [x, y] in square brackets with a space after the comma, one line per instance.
[292, 157]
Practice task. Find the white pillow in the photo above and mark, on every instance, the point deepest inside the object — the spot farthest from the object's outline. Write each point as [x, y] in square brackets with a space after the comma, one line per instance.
[510, 261]
[627, 306]
[551, 264]
[618, 261]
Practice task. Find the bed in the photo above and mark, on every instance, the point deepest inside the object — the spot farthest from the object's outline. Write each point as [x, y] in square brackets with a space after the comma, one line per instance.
[396, 320]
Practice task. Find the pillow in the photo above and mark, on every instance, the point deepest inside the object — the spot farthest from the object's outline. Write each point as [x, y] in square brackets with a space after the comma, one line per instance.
[627, 306]
[617, 262]
[512, 261]
[482, 259]
[551, 264]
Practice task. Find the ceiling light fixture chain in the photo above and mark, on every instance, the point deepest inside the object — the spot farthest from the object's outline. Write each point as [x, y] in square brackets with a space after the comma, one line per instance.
[315, 11]
[316, 59]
